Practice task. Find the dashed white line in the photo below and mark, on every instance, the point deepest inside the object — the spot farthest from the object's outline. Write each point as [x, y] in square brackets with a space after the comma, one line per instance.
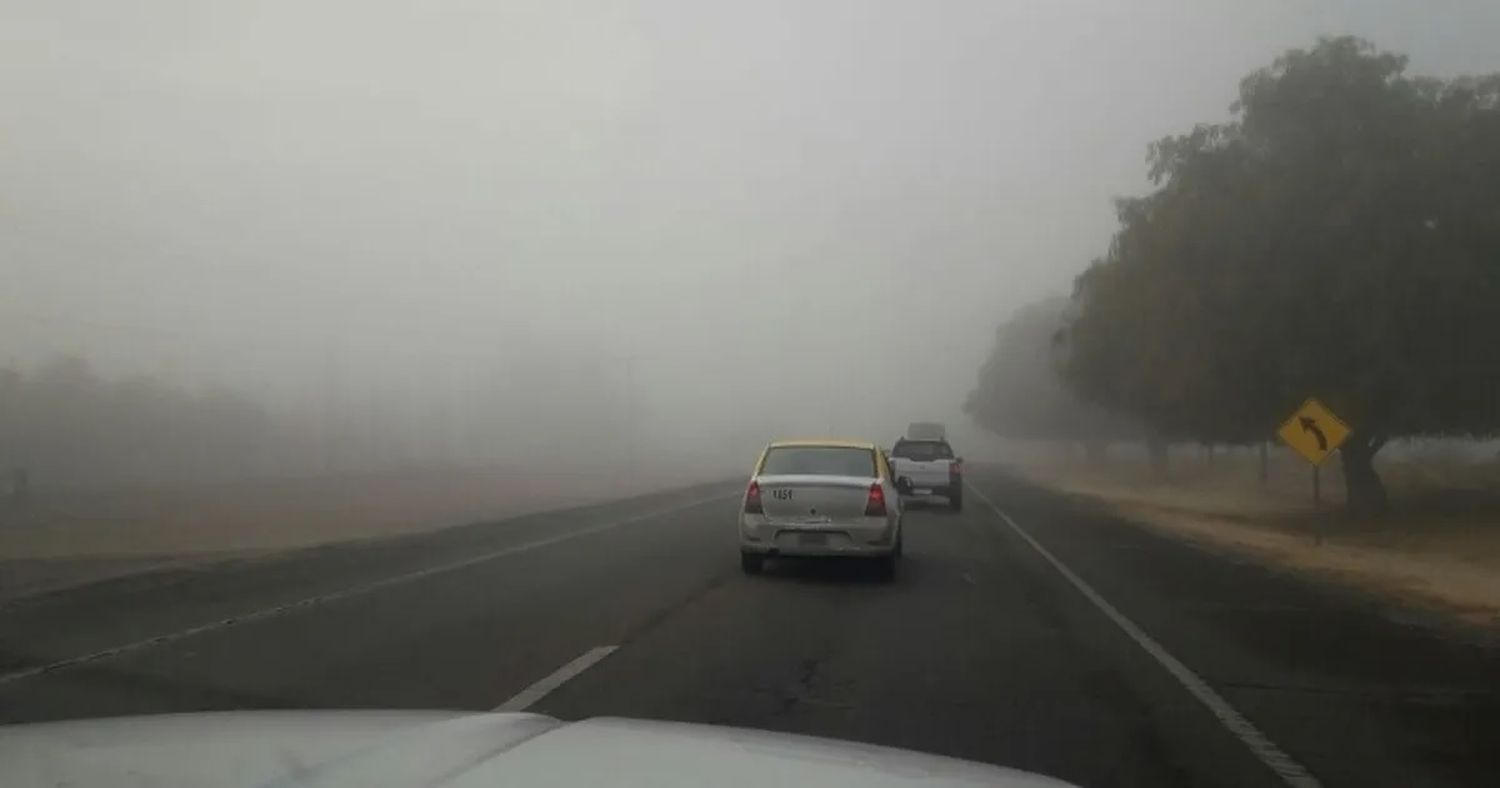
[524, 699]
[1289, 770]
[345, 593]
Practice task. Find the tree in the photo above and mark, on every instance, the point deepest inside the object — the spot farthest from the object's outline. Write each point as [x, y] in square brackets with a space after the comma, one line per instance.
[1019, 393]
[67, 425]
[1339, 238]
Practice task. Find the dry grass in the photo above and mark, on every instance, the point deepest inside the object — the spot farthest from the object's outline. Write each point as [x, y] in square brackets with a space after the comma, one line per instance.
[60, 540]
[294, 513]
[1439, 547]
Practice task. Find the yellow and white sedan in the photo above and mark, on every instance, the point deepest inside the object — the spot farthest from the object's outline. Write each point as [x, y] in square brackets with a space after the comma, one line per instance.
[821, 498]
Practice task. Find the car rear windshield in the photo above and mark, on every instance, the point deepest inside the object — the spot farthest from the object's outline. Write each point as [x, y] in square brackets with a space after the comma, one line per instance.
[818, 461]
[922, 451]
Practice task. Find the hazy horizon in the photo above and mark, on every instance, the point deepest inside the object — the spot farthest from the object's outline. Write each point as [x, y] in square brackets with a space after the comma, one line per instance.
[718, 221]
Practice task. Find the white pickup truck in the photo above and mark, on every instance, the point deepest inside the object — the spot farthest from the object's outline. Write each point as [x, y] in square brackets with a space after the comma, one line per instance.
[927, 467]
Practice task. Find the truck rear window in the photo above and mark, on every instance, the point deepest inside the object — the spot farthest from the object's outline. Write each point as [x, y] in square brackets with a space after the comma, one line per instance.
[922, 451]
[818, 461]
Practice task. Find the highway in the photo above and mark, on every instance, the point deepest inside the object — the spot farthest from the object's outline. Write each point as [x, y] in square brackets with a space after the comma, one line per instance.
[1029, 630]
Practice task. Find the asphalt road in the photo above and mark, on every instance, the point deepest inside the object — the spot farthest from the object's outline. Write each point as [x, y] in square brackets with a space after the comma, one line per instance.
[1037, 633]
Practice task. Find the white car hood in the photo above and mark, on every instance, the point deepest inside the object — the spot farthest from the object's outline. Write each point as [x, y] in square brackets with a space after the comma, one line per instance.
[454, 750]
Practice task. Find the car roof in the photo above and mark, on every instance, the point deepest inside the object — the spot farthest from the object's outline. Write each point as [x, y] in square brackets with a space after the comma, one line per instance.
[837, 443]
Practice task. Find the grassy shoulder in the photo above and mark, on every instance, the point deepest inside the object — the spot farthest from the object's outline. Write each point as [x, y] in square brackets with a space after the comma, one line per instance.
[1439, 547]
[61, 539]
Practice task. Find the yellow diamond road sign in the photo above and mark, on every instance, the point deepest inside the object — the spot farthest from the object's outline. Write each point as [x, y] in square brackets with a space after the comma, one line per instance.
[1313, 431]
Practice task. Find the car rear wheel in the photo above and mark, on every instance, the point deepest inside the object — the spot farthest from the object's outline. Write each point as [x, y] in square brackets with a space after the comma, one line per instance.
[956, 499]
[752, 563]
[885, 567]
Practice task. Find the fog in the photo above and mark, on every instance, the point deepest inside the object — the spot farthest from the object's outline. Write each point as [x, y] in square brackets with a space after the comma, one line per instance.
[469, 232]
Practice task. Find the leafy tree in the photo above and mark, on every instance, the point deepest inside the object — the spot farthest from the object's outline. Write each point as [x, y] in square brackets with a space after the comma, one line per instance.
[67, 425]
[1339, 238]
[1019, 393]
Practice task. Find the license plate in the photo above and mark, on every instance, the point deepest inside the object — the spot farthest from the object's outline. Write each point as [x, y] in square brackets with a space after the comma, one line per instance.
[812, 539]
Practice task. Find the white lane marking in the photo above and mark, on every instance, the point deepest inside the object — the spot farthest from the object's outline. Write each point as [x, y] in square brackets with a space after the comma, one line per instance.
[968, 578]
[1290, 771]
[541, 689]
[352, 591]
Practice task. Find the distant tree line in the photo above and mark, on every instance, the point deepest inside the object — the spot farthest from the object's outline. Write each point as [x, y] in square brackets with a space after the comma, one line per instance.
[1339, 237]
[1020, 394]
[61, 422]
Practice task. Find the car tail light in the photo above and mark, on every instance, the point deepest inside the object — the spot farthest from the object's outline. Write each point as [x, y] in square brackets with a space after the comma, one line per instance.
[875, 504]
[752, 499]
[956, 468]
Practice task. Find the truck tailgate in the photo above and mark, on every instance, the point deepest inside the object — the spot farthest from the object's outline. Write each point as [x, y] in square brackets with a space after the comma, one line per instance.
[923, 475]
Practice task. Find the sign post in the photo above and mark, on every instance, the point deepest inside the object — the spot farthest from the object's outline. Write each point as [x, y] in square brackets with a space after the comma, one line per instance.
[1315, 433]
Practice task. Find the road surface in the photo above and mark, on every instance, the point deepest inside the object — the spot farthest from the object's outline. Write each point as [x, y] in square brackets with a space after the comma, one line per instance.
[1030, 630]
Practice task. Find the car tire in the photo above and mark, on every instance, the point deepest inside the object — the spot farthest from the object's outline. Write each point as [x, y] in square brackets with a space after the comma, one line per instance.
[885, 567]
[956, 499]
[752, 563]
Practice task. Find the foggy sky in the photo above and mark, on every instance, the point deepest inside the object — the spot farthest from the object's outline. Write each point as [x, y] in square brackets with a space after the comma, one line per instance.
[819, 207]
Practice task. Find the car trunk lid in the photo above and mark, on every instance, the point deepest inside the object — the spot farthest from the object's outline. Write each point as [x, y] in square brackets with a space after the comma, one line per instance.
[814, 499]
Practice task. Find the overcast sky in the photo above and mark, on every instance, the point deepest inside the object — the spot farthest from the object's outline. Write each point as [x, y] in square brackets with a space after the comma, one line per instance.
[827, 205]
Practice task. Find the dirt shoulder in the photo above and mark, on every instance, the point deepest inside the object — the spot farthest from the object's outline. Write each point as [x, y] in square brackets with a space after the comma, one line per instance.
[1439, 548]
[70, 538]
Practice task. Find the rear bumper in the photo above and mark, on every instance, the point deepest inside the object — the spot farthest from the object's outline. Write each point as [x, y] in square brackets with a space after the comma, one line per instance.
[831, 551]
[945, 488]
[865, 537]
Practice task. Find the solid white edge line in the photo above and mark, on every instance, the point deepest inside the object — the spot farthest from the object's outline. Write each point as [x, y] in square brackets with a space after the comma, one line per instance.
[524, 699]
[345, 593]
[1289, 770]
